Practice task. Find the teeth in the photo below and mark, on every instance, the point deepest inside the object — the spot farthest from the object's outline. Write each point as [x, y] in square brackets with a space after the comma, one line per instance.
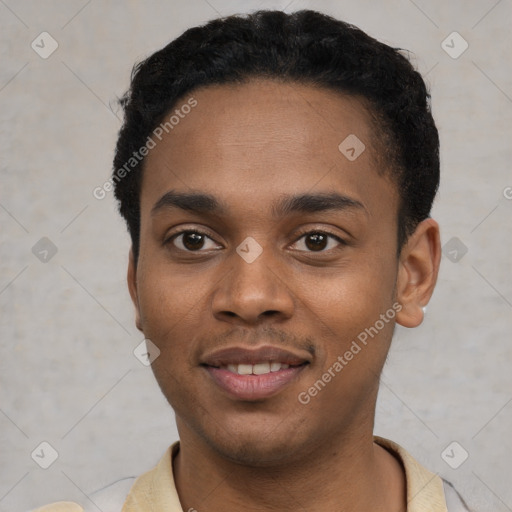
[274, 367]
[244, 369]
[256, 369]
[261, 368]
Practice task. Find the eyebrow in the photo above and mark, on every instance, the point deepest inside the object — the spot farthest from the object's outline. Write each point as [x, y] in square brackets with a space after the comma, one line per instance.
[201, 203]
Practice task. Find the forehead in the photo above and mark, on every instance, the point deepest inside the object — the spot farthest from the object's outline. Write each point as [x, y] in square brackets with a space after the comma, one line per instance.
[264, 137]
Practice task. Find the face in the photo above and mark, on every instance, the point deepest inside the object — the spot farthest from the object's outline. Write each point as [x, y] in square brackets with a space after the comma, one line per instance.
[265, 253]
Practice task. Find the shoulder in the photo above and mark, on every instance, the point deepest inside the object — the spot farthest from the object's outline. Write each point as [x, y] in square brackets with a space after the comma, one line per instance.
[108, 499]
[61, 506]
[112, 497]
[425, 490]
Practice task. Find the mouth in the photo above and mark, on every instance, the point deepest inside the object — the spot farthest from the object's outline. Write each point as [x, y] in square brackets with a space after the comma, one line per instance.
[261, 368]
[253, 375]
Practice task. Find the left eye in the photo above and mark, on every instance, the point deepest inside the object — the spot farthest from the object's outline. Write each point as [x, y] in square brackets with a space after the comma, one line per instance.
[318, 241]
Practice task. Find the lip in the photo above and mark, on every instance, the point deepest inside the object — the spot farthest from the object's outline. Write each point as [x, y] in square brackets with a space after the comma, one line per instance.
[242, 355]
[253, 387]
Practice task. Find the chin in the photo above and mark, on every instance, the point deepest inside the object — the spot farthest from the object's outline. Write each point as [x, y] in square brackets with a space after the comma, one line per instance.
[255, 453]
[258, 446]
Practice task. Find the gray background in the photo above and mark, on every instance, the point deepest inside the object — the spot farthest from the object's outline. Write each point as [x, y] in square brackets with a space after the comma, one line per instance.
[68, 374]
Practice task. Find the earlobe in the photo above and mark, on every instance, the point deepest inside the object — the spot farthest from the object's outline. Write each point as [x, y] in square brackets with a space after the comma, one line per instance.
[417, 273]
[132, 287]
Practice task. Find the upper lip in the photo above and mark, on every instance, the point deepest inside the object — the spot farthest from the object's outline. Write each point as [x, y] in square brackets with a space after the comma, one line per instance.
[244, 355]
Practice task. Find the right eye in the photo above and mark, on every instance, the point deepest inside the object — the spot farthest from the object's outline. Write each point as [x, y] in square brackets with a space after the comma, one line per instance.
[192, 241]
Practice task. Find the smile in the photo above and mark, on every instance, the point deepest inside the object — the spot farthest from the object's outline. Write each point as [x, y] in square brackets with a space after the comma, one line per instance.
[256, 369]
[253, 387]
[253, 374]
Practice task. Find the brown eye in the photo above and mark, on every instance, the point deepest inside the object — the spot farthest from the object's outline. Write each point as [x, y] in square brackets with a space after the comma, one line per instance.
[317, 241]
[192, 241]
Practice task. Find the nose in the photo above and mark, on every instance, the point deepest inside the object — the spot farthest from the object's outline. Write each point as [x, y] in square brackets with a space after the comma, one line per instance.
[253, 293]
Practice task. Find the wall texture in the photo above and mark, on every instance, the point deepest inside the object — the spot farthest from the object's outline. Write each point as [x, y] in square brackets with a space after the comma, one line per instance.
[68, 375]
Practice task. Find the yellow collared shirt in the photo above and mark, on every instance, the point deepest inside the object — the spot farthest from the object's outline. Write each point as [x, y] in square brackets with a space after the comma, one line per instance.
[155, 491]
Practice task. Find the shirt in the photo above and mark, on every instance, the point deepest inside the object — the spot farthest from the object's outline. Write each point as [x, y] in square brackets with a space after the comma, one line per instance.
[155, 490]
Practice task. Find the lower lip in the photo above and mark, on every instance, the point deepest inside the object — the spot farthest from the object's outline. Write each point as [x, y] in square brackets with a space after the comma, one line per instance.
[253, 387]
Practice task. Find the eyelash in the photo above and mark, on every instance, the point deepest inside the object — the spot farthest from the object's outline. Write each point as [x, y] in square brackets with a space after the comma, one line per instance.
[302, 235]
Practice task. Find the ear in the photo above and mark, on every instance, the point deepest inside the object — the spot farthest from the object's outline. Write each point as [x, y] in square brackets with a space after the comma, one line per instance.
[417, 272]
[132, 287]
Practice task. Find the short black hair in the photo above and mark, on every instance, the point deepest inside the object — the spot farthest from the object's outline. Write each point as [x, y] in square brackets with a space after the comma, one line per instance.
[305, 47]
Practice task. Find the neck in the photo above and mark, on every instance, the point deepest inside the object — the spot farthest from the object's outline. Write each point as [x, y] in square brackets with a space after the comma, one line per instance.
[349, 474]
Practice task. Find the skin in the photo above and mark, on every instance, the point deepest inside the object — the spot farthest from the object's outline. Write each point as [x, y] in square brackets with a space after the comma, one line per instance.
[248, 146]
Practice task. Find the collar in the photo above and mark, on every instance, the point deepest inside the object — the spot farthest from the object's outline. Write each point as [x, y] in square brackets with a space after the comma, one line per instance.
[156, 490]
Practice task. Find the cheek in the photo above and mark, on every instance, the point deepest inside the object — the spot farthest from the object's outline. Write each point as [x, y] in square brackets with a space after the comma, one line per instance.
[165, 293]
[171, 308]
[347, 306]
[352, 298]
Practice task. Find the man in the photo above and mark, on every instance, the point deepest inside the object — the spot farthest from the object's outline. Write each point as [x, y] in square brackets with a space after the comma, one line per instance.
[276, 173]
